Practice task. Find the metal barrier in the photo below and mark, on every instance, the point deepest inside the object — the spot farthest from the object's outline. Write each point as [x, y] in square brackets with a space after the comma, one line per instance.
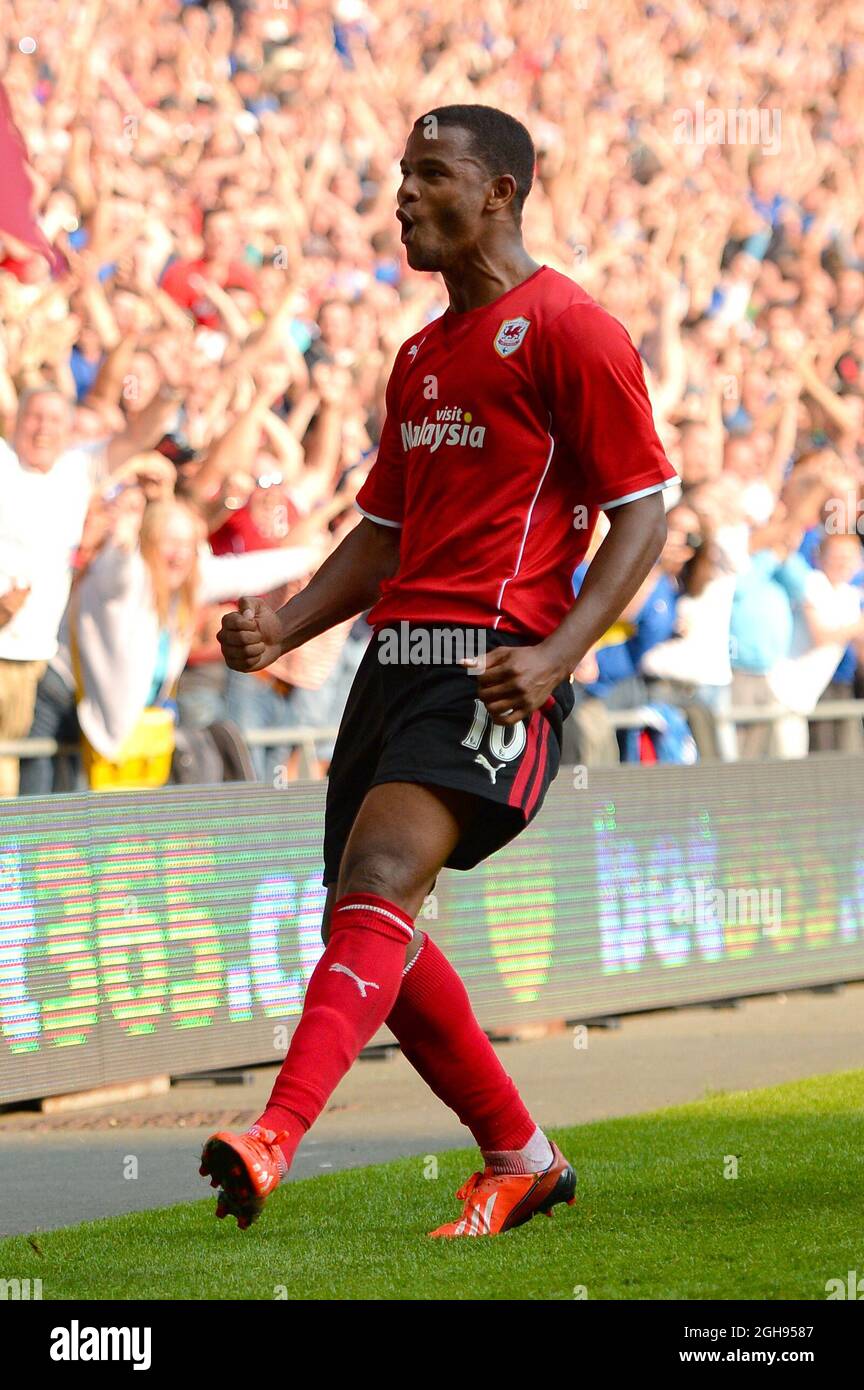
[849, 711]
[304, 738]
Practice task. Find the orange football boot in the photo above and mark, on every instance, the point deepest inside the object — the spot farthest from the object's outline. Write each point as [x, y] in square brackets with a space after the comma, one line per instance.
[247, 1168]
[496, 1202]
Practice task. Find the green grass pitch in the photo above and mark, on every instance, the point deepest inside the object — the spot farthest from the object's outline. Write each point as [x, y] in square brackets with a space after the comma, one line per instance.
[656, 1218]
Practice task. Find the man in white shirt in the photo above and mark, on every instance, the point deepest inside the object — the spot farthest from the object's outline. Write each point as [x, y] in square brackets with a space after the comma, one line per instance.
[45, 492]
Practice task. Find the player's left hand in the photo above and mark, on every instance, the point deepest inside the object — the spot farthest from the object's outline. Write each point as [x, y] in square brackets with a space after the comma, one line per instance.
[513, 681]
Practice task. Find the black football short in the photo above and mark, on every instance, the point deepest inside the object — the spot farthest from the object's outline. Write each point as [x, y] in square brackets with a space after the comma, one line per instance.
[425, 723]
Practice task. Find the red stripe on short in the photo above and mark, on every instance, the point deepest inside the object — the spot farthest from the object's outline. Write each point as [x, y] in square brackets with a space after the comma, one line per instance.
[541, 768]
[526, 766]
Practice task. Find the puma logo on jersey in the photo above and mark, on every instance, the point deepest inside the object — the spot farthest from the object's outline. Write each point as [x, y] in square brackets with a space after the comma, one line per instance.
[493, 771]
[362, 985]
[415, 348]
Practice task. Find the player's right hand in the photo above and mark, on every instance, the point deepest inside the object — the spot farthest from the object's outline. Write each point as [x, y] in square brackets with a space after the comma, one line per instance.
[251, 638]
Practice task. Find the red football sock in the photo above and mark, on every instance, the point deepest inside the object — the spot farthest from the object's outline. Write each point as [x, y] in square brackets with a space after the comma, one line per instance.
[438, 1033]
[352, 990]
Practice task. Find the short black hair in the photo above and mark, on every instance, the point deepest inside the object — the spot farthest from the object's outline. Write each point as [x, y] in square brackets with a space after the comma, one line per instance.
[499, 141]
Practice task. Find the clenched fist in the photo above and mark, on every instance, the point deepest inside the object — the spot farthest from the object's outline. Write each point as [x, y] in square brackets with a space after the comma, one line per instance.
[250, 638]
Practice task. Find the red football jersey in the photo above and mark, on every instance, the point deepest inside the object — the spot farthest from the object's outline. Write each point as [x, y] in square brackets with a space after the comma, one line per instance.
[508, 428]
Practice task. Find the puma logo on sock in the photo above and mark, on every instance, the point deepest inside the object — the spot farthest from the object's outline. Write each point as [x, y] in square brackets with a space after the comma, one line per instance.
[362, 985]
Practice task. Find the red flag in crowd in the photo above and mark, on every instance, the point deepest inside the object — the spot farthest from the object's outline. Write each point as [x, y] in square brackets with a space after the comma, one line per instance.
[16, 191]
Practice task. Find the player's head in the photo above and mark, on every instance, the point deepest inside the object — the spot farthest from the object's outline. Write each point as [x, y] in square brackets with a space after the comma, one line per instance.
[466, 173]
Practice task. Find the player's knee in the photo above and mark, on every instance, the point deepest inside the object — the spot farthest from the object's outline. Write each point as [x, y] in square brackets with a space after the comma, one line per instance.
[390, 876]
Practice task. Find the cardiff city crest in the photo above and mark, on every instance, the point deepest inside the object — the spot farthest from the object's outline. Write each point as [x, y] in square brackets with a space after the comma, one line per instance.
[510, 336]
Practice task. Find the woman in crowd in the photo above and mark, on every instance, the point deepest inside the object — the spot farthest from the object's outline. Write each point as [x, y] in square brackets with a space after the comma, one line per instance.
[131, 619]
[694, 663]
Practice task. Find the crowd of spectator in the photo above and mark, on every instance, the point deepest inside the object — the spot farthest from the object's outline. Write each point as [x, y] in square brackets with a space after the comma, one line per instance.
[192, 394]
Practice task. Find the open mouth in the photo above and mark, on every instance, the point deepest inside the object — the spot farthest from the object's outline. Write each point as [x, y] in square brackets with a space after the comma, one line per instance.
[408, 225]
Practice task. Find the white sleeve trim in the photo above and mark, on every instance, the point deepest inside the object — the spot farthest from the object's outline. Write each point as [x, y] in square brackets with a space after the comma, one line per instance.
[633, 496]
[382, 520]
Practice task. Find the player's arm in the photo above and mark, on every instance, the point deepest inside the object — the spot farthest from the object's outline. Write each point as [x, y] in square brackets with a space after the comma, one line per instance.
[348, 582]
[518, 680]
[637, 531]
